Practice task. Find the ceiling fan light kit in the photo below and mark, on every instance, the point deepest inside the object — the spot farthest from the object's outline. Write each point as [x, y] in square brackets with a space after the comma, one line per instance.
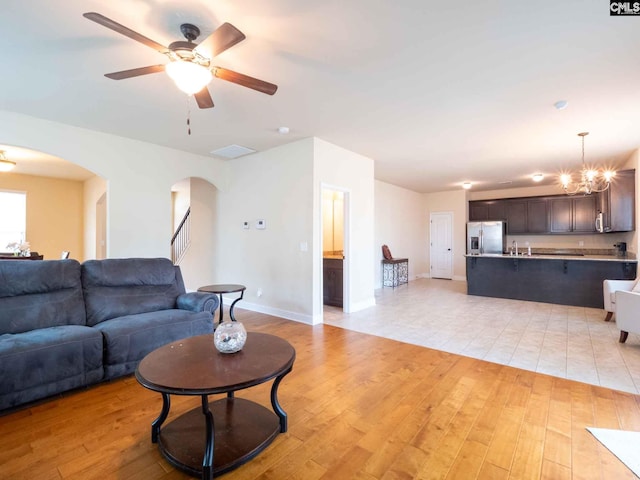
[188, 76]
[190, 64]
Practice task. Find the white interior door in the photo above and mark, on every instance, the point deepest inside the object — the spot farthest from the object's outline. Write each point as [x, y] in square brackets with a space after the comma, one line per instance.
[441, 245]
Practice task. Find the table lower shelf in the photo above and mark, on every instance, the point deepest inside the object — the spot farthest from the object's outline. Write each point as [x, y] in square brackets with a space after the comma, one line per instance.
[242, 429]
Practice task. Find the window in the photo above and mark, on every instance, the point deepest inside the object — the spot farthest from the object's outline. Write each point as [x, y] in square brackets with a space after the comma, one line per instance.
[13, 218]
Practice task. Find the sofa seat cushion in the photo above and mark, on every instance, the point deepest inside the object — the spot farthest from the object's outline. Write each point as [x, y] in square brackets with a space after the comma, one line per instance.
[46, 361]
[128, 339]
[115, 287]
[40, 294]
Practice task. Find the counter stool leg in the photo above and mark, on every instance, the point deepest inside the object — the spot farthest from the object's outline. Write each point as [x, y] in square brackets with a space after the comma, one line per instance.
[207, 461]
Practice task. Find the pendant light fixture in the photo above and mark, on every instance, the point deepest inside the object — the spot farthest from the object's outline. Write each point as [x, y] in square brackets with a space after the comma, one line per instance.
[591, 180]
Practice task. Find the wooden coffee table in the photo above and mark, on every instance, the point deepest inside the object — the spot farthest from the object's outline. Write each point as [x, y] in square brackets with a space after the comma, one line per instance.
[220, 435]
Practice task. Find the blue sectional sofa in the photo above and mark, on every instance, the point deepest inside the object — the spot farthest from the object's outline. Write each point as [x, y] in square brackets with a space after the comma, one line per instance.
[65, 325]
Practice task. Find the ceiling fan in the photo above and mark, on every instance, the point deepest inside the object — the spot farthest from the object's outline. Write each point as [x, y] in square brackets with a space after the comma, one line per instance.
[190, 64]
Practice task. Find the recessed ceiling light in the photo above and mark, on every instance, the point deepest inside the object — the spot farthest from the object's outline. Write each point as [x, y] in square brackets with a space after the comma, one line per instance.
[466, 185]
[561, 104]
[283, 130]
[537, 177]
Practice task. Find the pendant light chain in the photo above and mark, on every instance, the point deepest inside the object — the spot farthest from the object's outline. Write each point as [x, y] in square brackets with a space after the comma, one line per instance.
[189, 116]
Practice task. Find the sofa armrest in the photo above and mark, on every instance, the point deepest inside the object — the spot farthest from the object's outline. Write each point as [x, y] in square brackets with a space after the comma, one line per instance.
[627, 308]
[609, 288]
[198, 302]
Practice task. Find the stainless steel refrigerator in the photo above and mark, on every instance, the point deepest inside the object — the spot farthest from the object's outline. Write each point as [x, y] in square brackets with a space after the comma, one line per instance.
[486, 237]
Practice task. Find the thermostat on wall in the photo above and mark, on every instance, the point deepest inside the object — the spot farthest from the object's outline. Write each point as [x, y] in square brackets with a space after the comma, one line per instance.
[245, 225]
[261, 224]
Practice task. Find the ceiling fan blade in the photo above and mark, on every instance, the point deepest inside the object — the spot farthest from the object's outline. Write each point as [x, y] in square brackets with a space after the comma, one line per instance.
[135, 72]
[203, 98]
[116, 27]
[245, 80]
[224, 37]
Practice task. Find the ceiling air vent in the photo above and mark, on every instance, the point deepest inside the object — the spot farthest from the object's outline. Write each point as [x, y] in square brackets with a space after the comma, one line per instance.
[232, 151]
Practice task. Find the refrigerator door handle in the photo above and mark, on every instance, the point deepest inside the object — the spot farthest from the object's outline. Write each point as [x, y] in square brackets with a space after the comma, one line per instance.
[481, 242]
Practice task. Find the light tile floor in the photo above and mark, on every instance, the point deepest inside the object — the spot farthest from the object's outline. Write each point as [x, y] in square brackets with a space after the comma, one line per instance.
[563, 341]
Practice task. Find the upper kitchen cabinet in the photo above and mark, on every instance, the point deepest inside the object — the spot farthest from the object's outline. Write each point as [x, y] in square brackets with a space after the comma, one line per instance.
[516, 216]
[523, 215]
[483, 210]
[563, 214]
[572, 214]
[537, 215]
[527, 215]
[617, 203]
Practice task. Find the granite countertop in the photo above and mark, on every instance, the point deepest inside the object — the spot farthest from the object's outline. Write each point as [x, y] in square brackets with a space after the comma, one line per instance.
[630, 257]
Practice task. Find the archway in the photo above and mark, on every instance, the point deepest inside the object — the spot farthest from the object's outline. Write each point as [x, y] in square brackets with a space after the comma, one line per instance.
[60, 213]
[194, 207]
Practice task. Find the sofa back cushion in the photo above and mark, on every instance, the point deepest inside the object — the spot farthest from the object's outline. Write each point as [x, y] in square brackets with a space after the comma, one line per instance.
[125, 286]
[39, 294]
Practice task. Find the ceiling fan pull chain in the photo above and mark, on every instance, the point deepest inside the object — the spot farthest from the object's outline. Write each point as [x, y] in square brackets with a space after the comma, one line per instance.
[188, 117]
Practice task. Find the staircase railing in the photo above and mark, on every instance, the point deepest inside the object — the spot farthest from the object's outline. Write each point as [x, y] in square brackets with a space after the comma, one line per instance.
[181, 238]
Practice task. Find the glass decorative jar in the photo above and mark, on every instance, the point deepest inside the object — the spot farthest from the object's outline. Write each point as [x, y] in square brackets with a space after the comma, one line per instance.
[230, 337]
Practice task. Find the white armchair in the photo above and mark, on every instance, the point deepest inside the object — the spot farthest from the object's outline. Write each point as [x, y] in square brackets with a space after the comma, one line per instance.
[627, 313]
[610, 287]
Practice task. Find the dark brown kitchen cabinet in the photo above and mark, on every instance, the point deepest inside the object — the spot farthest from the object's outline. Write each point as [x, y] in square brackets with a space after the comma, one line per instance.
[562, 214]
[332, 281]
[481, 211]
[516, 216]
[537, 215]
[617, 203]
[572, 214]
[527, 215]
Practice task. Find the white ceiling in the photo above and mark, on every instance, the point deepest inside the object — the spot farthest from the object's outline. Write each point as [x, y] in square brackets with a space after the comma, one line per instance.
[437, 93]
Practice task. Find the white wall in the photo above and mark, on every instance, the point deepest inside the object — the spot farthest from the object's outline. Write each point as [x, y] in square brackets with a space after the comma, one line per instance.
[401, 223]
[94, 188]
[456, 203]
[198, 263]
[633, 240]
[275, 186]
[340, 169]
[139, 176]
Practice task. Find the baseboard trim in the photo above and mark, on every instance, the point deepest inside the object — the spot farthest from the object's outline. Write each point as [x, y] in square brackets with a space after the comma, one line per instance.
[276, 312]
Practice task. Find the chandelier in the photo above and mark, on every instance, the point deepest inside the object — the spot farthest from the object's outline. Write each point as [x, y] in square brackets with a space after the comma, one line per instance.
[591, 180]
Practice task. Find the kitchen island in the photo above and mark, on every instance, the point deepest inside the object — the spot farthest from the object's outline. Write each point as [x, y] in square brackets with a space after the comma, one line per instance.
[565, 279]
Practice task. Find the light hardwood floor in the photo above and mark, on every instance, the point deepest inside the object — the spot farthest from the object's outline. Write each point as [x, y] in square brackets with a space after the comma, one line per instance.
[360, 407]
